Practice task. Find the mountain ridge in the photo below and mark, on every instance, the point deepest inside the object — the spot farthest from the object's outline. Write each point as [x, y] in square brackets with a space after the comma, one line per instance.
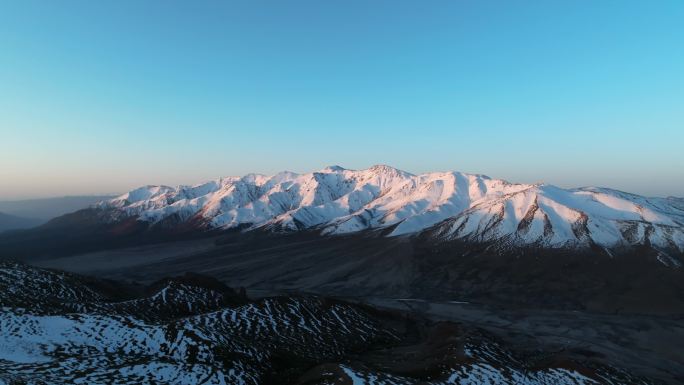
[447, 205]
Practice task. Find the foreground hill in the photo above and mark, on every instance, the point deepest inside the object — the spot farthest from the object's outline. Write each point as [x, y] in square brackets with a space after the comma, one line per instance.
[63, 328]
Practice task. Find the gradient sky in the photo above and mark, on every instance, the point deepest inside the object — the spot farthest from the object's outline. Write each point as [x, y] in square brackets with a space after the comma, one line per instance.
[103, 96]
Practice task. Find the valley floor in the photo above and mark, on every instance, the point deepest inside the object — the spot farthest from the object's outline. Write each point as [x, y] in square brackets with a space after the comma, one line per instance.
[648, 345]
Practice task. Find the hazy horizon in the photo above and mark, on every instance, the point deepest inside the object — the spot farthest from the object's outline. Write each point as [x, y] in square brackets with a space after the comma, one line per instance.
[99, 98]
[86, 193]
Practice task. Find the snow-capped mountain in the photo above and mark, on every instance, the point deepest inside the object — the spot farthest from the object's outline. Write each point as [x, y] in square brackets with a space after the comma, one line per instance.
[475, 207]
[452, 205]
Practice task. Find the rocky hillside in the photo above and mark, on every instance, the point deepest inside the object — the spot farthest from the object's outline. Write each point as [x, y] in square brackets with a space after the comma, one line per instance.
[61, 328]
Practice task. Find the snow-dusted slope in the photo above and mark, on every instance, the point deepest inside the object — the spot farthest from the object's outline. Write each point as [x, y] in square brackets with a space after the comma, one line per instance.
[112, 343]
[551, 216]
[281, 340]
[452, 205]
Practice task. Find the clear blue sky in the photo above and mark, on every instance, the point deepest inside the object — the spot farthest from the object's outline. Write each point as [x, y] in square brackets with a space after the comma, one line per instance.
[102, 96]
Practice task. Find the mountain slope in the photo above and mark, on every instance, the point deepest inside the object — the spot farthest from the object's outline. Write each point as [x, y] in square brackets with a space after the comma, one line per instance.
[449, 205]
[278, 340]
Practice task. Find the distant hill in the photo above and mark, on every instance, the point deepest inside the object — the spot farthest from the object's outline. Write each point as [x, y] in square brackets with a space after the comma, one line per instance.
[11, 222]
[42, 210]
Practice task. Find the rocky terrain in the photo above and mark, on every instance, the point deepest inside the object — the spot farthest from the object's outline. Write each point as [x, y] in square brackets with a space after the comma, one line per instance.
[60, 328]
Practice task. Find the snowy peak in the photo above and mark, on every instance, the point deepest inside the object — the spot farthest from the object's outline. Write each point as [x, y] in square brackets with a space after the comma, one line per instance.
[447, 205]
[333, 168]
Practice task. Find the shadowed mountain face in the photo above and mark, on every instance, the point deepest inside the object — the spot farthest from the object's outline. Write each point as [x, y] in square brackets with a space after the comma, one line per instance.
[65, 328]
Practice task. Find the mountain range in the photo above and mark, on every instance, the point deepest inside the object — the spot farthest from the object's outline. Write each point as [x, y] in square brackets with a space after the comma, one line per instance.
[383, 232]
[445, 205]
[373, 276]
